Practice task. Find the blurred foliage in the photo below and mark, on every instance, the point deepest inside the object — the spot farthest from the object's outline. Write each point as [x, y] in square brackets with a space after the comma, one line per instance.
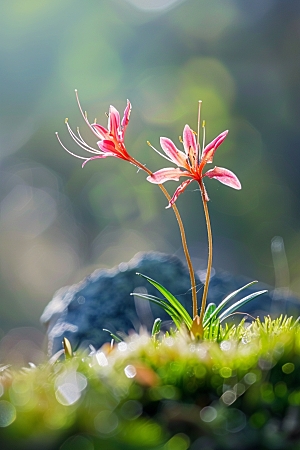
[240, 58]
[239, 390]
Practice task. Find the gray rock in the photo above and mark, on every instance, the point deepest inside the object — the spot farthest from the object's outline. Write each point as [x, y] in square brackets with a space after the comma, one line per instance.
[103, 300]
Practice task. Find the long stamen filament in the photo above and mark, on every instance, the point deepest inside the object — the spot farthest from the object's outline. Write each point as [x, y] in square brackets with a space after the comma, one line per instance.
[84, 115]
[65, 148]
[203, 127]
[198, 133]
[81, 142]
[157, 151]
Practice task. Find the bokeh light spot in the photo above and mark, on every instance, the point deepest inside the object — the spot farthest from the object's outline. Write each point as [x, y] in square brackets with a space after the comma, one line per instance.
[208, 414]
[77, 443]
[178, 442]
[288, 368]
[67, 394]
[106, 422]
[154, 5]
[7, 413]
[130, 371]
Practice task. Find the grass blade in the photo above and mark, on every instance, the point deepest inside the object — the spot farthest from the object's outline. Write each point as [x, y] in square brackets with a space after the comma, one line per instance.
[225, 301]
[209, 310]
[168, 308]
[116, 338]
[156, 327]
[240, 303]
[172, 300]
[158, 301]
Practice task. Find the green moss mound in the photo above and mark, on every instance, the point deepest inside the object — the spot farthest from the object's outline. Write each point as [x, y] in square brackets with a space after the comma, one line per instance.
[238, 388]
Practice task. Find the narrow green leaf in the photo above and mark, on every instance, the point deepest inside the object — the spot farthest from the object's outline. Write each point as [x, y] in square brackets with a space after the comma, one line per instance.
[211, 329]
[216, 330]
[156, 327]
[172, 300]
[168, 308]
[228, 331]
[225, 301]
[209, 310]
[116, 338]
[240, 303]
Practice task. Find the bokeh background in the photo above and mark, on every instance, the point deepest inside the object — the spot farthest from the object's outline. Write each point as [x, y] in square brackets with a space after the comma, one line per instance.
[58, 222]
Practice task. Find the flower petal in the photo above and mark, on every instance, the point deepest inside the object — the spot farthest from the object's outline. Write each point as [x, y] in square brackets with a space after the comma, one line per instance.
[210, 149]
[225, 176]
[173, 153]
[100, 130]
[125, 119]
[178, 191]
[105, 155]
[114, 121]
[190, 145]
[106, 146]
[169, 173]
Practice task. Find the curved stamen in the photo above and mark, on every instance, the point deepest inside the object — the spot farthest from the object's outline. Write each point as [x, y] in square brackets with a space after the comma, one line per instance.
[81, 144]
[161, 154]
[198, 134]
[203, 127]
[65, 148]
[85, 115]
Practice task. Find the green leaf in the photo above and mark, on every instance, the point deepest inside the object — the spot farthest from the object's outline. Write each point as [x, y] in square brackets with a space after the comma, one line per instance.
[209, 310]
[225, 301]
[172, 300]
[216, 330]
[240, 303]
[116, 338]
[168, 308]
[156, 327]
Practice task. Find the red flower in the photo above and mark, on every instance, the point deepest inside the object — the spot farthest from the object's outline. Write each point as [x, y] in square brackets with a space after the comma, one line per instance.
[111, 141]
[193, 162]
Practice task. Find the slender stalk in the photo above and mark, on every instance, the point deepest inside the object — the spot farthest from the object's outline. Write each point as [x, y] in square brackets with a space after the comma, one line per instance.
[183, 239]
[209, 235]
[186, 252]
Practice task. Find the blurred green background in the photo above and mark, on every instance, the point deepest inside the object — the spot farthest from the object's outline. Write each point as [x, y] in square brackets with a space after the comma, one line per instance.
[59, 222]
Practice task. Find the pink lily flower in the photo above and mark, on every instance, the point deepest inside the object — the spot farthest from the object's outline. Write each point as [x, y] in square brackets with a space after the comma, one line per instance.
[193, 163]
[111, 140]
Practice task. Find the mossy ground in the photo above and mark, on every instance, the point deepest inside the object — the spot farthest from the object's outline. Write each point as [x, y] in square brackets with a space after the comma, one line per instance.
[238, 388]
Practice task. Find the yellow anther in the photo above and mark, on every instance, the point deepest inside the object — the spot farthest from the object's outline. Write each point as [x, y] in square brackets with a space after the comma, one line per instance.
[77, 129]
[180, 139]
[149, 144]
[66, 120]
[95, 121]
[203, 124]
[194, 132]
